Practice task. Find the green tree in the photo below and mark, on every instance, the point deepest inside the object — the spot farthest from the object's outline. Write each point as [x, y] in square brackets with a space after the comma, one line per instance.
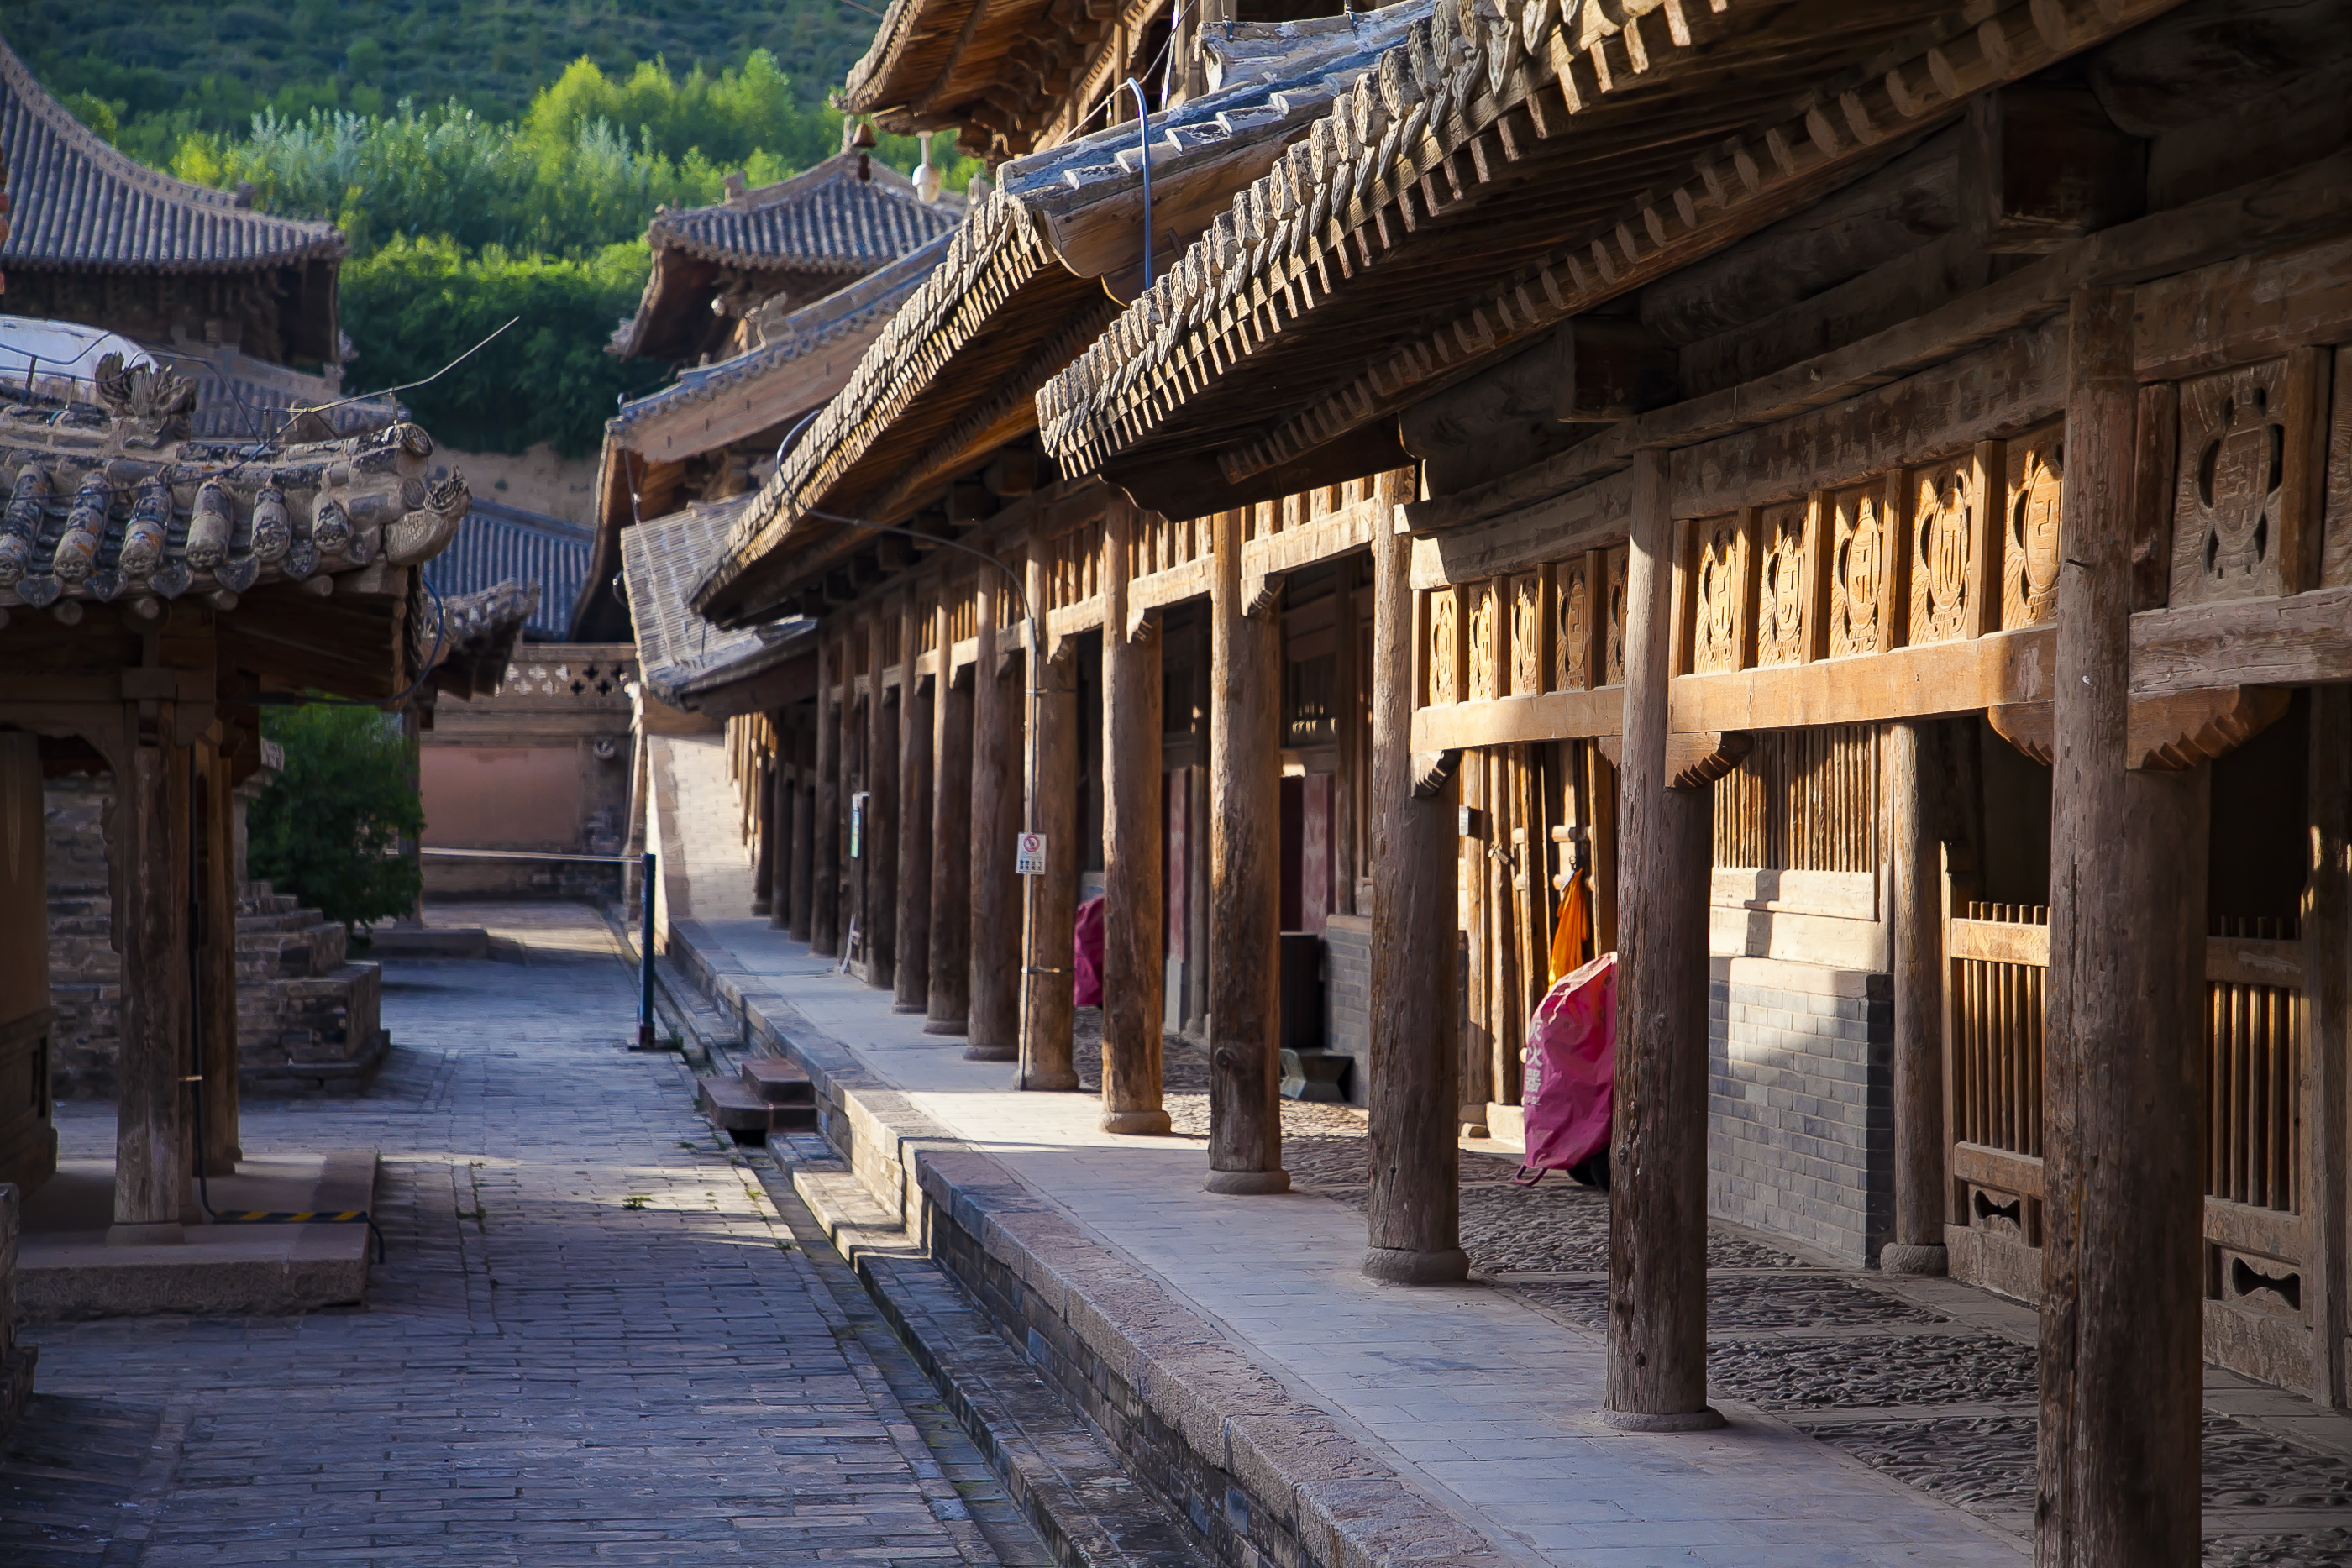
[327, 826]
[416, 305]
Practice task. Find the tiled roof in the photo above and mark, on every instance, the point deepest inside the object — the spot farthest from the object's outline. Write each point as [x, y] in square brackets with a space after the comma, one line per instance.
[77, 202]
[477, 635]
[1491, 177]
[114, 502]
[1268, 81]
[677, 650]
[848, 213]
[498, 544]
[839, 315]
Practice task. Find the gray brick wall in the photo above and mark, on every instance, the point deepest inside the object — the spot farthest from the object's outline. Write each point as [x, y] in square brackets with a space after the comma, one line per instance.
[1801, 1122]
[1348, 996]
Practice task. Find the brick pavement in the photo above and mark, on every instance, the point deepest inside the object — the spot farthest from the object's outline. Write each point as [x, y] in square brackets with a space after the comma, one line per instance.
[597, 1340]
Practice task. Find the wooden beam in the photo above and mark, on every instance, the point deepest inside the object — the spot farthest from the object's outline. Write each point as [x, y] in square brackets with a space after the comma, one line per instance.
[2122, 1252]
[1657, 1167]
[1134, 901]
[1245, 891]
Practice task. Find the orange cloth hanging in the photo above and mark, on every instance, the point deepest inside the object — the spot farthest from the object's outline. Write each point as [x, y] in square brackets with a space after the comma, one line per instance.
[1567, 935]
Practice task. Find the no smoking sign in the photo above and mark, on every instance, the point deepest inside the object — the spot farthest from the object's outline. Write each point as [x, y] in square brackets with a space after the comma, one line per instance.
[1029, 854]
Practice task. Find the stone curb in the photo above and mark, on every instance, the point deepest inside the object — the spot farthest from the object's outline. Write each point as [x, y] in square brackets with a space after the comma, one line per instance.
[1261, 1476]
[1066, 1482]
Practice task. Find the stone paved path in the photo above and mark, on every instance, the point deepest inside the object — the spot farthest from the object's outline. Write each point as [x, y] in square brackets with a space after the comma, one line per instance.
[596, 1340]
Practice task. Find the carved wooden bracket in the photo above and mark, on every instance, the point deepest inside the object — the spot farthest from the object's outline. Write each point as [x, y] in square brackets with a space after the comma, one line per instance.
[2170, 734]
[1432, 770]
[1695, 758]
[1261, 591]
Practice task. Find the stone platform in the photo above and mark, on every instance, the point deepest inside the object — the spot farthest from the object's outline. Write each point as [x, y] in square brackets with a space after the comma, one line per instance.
[66, 1269]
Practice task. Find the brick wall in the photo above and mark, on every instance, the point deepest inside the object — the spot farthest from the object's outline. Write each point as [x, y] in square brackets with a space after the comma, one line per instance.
[1348, 996]
[1800, 1121]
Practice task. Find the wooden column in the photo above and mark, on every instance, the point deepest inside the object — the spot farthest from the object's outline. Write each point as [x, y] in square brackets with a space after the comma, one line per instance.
[781, 792]
[2123, 1118]
[804, 750]
[1411, 1229]
[1347, 778]
[215, 1000]
[1050, 902]
[148, 854]
[825, 835]
[1602, 795]
[2328, 1008]
[1134, 903]
[950, 1002]
[1657, 1160]
[855, 938]
[917, 734]
[992, 1023]
[764, 863]
[1914, 851]
[881, 867]
[1244, 880]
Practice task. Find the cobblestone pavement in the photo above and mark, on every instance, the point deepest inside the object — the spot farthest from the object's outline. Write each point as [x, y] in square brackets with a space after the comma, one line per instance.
[597, 1340]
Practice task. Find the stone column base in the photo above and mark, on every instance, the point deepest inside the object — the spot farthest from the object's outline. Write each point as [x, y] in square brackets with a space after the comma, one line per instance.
[1403, 1266]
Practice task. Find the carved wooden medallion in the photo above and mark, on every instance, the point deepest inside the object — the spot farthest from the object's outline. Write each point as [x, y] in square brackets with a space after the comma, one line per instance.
[1861, 557]
[1485, 661]
[1528, 659]
[2229, 531]
[1720, 575]
[1568, 652]
[2029, 556]
[1943, 508]
[1784, 576]
[1444, 650]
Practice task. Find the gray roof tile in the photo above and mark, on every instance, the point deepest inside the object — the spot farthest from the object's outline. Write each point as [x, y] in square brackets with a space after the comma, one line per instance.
[827, 218]
[79, 204]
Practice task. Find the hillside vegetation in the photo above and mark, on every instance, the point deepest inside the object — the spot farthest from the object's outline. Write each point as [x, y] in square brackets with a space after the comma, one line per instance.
[212, 65]
[461, 219]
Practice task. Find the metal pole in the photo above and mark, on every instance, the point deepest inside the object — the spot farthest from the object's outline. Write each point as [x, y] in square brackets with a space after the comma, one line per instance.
[646, 961]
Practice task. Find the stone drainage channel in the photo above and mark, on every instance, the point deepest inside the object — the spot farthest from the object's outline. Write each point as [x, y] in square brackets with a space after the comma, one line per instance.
[1931, 1382]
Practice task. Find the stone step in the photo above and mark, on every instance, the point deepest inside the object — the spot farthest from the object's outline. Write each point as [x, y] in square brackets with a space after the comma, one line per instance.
[744, 1116]
[778, 1082]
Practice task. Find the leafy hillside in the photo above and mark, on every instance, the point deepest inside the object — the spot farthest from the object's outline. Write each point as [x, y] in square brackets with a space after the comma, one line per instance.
[491, 160]
[211, 64]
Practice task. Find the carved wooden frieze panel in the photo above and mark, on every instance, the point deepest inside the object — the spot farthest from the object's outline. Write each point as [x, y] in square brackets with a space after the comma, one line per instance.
[1445, 648]
[2029, 526]
[1721, 608]
[1530, 628]
[1613, 666]
[1783, 584]
[1865, 551]
[1571, 668]
[1945, 499]
[2244, 504]
[1486, 649]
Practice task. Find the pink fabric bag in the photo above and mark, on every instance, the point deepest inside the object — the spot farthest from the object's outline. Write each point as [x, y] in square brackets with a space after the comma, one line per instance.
[1571, 1065]
[1087, 952]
